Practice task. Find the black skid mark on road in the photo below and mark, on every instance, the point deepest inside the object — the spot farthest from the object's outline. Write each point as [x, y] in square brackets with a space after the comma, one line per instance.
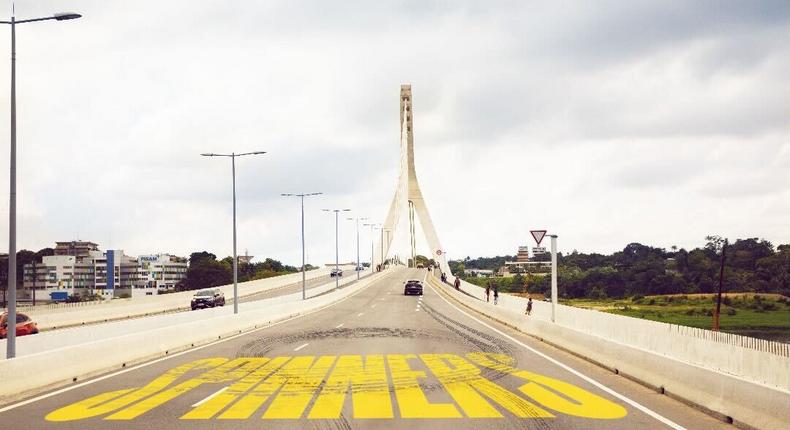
[263, 345]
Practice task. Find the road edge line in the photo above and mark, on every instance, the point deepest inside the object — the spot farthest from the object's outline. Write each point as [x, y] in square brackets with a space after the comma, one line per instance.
[564, 366]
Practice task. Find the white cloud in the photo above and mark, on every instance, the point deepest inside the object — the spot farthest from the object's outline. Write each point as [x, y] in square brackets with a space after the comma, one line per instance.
[647, 121]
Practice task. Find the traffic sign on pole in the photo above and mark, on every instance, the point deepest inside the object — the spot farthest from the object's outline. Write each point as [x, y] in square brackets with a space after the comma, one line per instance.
[538, 235]
[438, 252]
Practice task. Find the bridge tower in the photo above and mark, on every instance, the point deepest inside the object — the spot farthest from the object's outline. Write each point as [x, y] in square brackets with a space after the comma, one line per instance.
[408, 197]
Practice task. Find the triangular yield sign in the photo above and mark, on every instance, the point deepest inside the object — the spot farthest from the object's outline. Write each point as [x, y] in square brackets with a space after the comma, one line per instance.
[538, 235]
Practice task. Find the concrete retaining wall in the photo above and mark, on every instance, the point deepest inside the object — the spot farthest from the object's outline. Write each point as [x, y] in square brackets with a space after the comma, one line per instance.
[33, 373]
[72, 336]
[748, 403]
[49, 318]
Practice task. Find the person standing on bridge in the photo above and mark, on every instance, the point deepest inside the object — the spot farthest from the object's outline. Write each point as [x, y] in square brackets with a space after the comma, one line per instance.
[457, 283]
[488, 291]
[496, 294]
[529, 306]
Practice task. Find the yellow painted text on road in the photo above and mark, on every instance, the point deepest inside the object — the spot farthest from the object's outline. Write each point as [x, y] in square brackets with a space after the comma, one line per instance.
[417, 386]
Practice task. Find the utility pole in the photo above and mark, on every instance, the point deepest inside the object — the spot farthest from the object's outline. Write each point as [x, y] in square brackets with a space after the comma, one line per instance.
[721, 284]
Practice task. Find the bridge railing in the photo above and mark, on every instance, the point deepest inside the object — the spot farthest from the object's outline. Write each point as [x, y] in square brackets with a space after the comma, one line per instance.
[758, 360]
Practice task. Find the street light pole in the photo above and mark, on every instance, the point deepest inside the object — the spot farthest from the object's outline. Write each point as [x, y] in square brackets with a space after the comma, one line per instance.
[233, 156]
[337, 247]
[304, 278]
[372, 226]
[11, 320]
[357, 219]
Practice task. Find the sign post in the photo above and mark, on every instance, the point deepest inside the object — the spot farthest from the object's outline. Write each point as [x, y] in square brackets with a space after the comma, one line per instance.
[553, 276]
[538, 235]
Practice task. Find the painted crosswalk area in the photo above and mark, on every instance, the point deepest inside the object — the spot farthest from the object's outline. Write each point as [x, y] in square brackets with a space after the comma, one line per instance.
[377, 387]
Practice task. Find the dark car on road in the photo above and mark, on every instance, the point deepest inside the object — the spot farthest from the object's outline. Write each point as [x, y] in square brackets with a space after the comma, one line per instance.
[208, 299]
[335, 272]
[412, 286]
[24, 325]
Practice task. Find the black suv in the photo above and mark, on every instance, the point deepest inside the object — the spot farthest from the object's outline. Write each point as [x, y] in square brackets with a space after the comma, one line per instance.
[412, 286]
[208, 299]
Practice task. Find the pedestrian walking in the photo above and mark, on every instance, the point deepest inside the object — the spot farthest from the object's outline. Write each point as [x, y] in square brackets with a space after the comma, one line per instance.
[496, 294]
[488, 291]
[457, 283]
[529, 306]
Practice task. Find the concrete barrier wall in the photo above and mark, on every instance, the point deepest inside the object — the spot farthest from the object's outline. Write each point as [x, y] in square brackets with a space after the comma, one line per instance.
[51, 340]
[747, 402]
[49, 318]
[26, 375]
[764, 362]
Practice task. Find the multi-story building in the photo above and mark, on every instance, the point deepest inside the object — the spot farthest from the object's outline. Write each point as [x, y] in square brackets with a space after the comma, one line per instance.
[76, 248]
[523, 254]
[161, 272]
[80, 269]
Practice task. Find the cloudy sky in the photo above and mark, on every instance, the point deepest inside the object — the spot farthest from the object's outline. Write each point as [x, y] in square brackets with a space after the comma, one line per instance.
[606, 122]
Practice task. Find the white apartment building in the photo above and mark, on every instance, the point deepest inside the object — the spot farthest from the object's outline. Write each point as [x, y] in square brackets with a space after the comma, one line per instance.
[109, 274]
[161, 272]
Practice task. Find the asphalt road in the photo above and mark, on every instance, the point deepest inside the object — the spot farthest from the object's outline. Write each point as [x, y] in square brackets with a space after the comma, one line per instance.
[411, 363]
[294, 288]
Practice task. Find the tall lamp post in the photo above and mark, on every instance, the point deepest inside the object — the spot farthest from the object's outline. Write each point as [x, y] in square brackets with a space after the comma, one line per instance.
[233, 156]
[372, 226]
[382, 244]
[11, 341]
[357, 219]
[301, 198]
[337, 248]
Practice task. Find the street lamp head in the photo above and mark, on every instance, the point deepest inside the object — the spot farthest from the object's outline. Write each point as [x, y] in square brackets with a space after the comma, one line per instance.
[66, 16]
[346, 210]
[286, 194]
[208, 154]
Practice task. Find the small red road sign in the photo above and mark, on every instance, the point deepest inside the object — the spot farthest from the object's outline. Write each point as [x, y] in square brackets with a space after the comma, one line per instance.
[538, 235]
[438, 252]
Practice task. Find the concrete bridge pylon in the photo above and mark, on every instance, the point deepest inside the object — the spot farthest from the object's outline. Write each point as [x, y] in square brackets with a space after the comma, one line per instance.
[408, 199]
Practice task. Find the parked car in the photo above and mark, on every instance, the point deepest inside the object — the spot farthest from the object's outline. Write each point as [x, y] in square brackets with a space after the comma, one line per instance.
[208, 299]
[412, 286]
[24, 325]
[335, 272]
[359, 268]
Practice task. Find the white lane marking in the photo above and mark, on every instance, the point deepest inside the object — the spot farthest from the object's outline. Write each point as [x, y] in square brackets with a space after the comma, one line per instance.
[129, 369]
[209, 397]
[592, 381]
[339, 325]
[300, 347]
[360, 314]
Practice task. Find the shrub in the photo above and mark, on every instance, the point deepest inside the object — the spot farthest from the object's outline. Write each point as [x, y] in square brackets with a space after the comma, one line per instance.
[637, 298]
[731, 311]
[690, 311]
[769, 307]
[651, 302]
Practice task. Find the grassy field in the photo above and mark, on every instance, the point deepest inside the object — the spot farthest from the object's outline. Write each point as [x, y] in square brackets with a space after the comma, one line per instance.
[765, 316]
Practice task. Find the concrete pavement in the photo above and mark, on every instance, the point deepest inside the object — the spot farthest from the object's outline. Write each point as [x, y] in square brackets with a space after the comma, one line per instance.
[410, 362]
